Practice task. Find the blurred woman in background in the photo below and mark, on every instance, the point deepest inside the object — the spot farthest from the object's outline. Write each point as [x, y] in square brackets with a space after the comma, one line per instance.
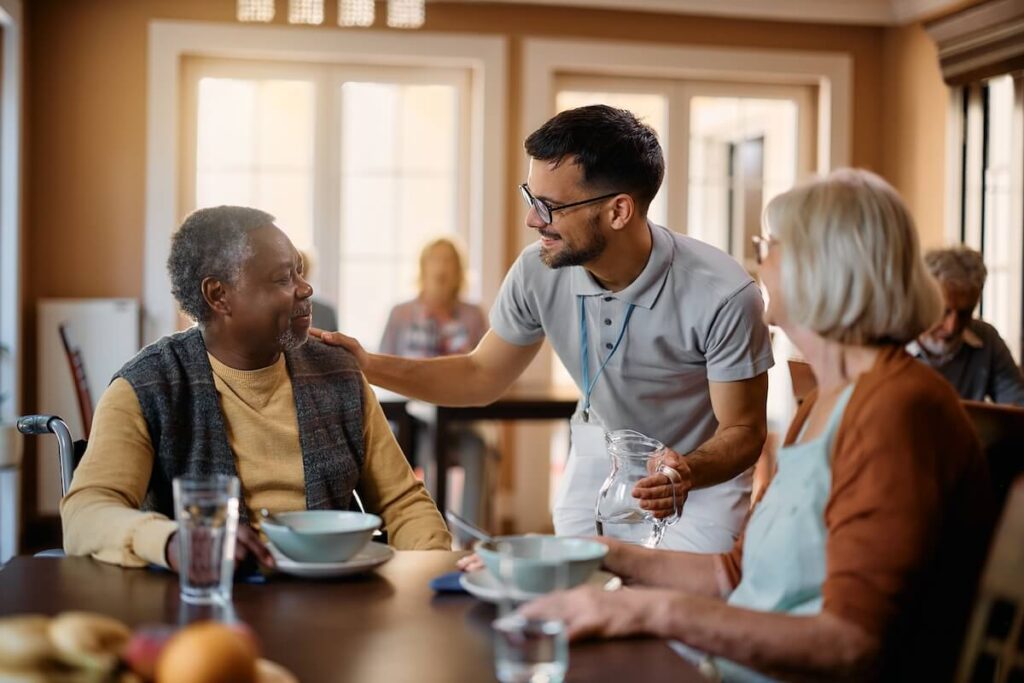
[439, 323]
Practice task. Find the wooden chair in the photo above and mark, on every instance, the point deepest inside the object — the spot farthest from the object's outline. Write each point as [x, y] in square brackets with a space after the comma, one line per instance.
[994, 649]
[802, 377]
[1001, 431]
[74, 355]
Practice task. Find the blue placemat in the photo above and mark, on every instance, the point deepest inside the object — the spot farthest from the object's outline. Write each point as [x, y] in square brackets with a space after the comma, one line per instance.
[447, 583]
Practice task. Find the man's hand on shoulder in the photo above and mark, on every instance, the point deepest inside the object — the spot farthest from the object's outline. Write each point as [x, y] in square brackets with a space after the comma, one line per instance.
[350, 344]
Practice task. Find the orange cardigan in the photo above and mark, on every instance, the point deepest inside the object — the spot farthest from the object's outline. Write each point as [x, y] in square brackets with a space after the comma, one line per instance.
[908, 517]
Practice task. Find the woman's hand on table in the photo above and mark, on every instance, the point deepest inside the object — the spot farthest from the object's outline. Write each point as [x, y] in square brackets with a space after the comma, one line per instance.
[592, 612]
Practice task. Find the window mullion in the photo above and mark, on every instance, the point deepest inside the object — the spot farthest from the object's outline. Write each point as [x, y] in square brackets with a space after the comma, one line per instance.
[974, 168]
[326, 184]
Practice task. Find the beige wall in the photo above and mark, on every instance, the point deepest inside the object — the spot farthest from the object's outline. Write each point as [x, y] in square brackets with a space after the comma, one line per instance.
[87, 90]
[915, 104]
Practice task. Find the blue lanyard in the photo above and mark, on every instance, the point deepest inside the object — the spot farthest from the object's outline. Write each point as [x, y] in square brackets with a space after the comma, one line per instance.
[588, 384]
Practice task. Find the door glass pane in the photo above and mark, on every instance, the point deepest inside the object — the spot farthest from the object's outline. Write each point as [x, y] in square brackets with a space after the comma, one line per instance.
[743, 151]
[1001, 302]
[399, 189]
[651, 108]
[255, 148]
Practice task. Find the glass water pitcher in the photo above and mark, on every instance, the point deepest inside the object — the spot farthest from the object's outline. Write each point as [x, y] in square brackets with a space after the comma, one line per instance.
[619, 515]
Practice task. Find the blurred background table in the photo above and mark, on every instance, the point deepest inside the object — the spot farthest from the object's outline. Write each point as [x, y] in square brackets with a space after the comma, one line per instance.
[520, 403]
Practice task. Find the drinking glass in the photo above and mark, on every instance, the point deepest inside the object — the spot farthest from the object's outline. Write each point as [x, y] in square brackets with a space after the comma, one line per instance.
[528, 650]
[207, 512]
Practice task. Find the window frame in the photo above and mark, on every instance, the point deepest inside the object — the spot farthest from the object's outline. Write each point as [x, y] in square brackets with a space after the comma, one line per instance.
[485, 57]
[966, 189]
[327, 80]
[679, 94]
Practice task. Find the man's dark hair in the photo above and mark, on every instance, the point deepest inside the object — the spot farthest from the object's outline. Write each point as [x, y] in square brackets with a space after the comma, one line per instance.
[210, 243]
[615, 151]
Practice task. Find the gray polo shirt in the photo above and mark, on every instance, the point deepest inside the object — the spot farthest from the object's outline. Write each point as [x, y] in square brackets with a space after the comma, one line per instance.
[698, 317]
[983, 367]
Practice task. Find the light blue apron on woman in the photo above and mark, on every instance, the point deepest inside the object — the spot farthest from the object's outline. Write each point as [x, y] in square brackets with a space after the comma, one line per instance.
[784, 544]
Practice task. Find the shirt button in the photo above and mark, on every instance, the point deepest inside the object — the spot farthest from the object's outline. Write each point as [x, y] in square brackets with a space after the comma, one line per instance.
[608, 346]
[607, 321]
[608, 298]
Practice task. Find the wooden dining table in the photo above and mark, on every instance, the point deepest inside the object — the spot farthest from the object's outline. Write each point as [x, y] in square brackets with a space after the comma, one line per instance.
[387, 626]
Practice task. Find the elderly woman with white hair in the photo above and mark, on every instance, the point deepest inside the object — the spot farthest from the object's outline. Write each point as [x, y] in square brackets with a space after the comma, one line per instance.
[860, 560]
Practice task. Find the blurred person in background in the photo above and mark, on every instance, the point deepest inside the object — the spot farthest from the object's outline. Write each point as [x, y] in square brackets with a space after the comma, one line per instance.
[966, 351]
[439, 323]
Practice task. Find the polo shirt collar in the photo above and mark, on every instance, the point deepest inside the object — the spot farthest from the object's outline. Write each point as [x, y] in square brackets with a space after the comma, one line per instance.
[644, 290]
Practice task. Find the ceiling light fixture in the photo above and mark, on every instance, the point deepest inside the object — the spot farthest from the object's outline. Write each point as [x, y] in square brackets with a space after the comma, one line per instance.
[406, 13]
[355, 13]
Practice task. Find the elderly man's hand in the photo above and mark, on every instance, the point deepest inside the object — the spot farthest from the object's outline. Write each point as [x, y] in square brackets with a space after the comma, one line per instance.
[350, 344]
[470, 563]
[591, 612]
[250, 545]
[655, 491]
[247, 545]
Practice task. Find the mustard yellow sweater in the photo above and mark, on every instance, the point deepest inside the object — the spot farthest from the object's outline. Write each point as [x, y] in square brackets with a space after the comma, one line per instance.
[101, 513]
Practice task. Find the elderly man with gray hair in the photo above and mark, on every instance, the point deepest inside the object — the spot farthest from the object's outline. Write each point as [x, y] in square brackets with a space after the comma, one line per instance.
[966, 351]
[243, 392]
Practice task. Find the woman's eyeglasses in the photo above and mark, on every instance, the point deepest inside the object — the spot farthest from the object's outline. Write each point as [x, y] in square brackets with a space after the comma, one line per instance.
[762, 245]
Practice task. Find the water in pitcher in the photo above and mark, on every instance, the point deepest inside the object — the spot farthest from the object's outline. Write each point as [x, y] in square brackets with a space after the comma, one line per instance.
[618, 514]
[631, 526]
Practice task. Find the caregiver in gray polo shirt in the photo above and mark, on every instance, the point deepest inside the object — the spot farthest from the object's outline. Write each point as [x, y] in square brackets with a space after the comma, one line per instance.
[662, 333]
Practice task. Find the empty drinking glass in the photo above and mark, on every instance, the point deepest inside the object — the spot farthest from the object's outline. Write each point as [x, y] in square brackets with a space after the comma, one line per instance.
[528, 650]
[207, 512]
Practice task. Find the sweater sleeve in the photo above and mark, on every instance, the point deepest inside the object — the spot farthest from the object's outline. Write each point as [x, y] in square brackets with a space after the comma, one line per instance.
[388, 486]
[889, 480]
[100, 514]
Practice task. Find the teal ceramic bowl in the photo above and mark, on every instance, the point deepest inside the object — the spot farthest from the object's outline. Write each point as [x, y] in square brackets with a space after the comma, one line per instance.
[532, 560]
[321, 535]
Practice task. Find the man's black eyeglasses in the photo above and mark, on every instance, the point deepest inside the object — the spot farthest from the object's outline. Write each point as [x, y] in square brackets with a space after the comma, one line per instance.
[545, 210]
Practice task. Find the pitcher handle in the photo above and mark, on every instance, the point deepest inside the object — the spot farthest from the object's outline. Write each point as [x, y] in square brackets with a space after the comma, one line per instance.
[673, 479]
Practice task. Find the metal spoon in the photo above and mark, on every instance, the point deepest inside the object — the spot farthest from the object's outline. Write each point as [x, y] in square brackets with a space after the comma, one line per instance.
[267, 517]
[471, 529]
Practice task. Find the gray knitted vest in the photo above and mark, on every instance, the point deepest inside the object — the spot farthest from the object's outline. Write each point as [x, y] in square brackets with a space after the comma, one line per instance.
[174, 384]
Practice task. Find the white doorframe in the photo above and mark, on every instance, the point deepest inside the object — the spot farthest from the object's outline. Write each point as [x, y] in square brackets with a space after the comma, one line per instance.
[10, 242]
[485, 57]
[10, 205]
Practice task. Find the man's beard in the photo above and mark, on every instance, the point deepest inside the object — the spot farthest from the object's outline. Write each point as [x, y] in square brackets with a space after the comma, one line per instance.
[569, 256]
[290, 340]
[941, 350]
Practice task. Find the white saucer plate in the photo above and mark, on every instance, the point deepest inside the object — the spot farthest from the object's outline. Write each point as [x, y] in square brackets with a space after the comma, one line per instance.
[481, 585]
[370, 557]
